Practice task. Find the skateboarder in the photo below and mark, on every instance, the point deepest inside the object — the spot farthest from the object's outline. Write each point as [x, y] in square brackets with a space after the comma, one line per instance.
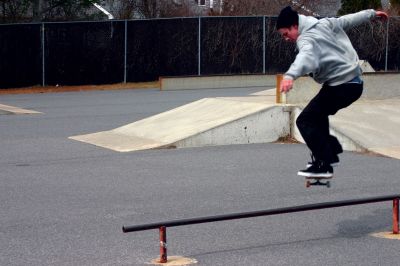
[327, 55]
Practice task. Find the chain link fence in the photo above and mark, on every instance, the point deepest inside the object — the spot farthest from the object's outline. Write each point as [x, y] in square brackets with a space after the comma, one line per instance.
[81, 53]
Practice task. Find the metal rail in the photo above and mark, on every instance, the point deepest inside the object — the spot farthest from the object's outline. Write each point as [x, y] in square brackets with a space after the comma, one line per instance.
[301, 208]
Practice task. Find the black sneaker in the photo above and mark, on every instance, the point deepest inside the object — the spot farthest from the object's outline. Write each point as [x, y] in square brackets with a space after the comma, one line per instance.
[318, 169]
[335, 161]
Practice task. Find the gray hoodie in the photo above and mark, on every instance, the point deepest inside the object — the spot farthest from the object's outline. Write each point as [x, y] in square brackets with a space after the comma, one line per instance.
[325, 50]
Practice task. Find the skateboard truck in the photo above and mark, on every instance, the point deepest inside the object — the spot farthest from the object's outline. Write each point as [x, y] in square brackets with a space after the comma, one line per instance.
[317, 181]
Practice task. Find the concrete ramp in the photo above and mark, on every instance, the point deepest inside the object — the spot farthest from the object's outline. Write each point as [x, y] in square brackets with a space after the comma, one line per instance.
[373, 125]
[365, 126]
[210, 121]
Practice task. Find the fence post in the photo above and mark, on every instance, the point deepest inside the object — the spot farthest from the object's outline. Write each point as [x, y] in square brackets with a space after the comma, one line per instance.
[396, 216]
[163, 244]
[387, 44]
[264, 44]
[125, 48]
[43, 57]
[199, 48]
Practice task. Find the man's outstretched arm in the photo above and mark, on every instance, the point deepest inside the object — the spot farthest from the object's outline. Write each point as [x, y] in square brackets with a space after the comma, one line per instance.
[355, 19]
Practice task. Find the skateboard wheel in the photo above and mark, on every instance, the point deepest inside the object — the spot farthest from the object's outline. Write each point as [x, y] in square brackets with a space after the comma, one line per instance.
[328, 184]
[308, 183]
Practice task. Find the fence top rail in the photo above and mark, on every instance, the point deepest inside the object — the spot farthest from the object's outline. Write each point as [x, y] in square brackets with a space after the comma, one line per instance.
[144, 19]
[132, 19]
[232, 216]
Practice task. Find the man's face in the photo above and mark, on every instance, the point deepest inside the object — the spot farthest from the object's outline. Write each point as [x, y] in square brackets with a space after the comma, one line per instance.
[290, 34]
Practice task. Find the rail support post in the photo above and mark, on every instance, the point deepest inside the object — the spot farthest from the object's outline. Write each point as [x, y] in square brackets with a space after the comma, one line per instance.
[163, 244]
[396, 216]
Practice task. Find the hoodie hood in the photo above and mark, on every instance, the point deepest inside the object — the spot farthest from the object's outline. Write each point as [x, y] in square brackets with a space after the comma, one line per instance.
[306, 23]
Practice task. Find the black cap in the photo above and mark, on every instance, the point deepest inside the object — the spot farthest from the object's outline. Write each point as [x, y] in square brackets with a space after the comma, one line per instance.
[287, 18]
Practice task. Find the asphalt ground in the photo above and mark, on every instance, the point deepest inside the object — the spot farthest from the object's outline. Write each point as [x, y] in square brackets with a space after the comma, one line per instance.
[64, 202]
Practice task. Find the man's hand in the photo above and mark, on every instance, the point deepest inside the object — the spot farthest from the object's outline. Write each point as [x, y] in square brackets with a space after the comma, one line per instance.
[381, 14]
[286, 85]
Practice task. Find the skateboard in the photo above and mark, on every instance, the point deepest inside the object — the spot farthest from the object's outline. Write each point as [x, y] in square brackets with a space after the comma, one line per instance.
[318, 181]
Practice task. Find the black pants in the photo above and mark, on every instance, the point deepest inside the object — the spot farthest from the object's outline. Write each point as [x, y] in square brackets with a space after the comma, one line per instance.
[313, 122]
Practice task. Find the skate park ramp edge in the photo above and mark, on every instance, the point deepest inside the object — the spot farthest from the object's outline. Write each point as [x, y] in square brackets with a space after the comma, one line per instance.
[209, 121]
[12, 110]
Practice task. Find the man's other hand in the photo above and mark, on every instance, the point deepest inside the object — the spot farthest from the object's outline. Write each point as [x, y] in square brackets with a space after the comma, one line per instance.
[286, 85]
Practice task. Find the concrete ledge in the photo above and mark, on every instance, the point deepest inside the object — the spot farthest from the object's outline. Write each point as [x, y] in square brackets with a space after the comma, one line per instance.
[377, 86]
[265, 126]
[217, 82]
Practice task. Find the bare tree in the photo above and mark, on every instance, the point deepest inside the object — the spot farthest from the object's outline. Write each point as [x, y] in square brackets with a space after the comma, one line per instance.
[123, 9]
[318, 8]
[15, 10]
[251, 8]
[129, 9]
[177, 9]
[37, 9]
[45, 10]
[67, 9]
[272, 7]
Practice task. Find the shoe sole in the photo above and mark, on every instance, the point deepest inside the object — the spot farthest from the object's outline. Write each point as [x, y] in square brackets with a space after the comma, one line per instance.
[315, 174]
[332, 164]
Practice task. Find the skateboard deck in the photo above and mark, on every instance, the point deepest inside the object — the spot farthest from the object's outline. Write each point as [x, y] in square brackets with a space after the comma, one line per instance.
[318, 181]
